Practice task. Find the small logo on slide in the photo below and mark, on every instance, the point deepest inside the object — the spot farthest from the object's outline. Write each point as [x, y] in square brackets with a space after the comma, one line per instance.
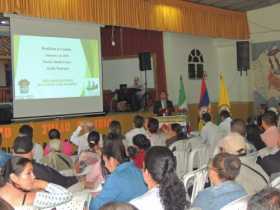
[24, 86]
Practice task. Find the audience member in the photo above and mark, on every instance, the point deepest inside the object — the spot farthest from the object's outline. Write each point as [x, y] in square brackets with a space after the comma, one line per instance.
[266, 199]
[125, 182]
[253, 135]
[4, 205]
[261, 110]
[27, 130]
[23, 148]
[239, 126]
[137, 152]
[163, 106]
[79, 136]
[166, 191]
[210, 133]
[54, 138]
[225, 121]
[118, 206]
[252, 177]
[156, 137]
[67, 147]
[55, 158]
[173, 133]
[138, 124]
[19, 187]
[115, 128]
[222, 172]
[271, 135]
[89, 162]
[3, 155]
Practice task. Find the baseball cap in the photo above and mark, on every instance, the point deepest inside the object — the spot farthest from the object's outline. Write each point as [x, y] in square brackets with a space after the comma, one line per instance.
[22, 145]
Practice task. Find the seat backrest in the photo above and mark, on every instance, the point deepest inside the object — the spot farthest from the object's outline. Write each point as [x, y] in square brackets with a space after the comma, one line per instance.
[239, 204]
[195, 180]
[276, 182]
[198, 157]
[181, 149]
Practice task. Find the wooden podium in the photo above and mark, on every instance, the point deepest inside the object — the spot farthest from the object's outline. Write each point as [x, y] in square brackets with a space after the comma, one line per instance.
[180, 119]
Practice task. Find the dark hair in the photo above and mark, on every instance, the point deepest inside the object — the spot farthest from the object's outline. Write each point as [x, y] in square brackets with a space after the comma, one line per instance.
[270, 118]
[5, 205]
[238, 126]
[206, 117]
[254, 136]
[226, 165]
[118, 206]
[54, 134]
[141, 141]
[115, 127]
[178, 129]
[93, 139]
[266, 199]
[153, 125]
[14, 165]
[161, 164]
[114, 148]
[224, 114]
[26, 130]
[138, 121]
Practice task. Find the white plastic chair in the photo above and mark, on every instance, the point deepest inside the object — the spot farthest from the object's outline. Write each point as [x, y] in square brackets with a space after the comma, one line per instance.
[275, 182]
[198, 157]
[239, 204]
[181, 149]
[197, 180]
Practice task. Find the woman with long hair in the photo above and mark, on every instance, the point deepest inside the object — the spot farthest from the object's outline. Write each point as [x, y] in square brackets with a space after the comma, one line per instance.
[20, 187]
[166, 191]
[125, 181]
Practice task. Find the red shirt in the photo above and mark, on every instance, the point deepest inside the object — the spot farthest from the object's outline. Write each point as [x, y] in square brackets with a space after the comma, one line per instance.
[139, 159]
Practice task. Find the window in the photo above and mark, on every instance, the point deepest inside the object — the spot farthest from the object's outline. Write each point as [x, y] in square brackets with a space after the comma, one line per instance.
[196, 65]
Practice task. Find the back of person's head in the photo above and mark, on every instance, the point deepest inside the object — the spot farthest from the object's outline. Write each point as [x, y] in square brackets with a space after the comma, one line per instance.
[115, 127]
[238, 126]
[224, 114]
[153, 125]
[26, 130]
[266, 199]
[206, 117]
[227, 166]
[22, 145]
[269, 118]
[15, 165]
[141, 141]
[93, 139]
[118, 206]
[161, 164]
[5, 206]
[114, 148]
[253, 135]
[138, 121]
[234, 144]
[54, 134]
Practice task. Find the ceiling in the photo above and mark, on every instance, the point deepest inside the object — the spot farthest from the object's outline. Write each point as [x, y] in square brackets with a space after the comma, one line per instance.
[238, 5]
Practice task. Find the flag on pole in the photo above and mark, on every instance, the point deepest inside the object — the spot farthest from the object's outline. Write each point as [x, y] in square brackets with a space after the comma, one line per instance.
[182, 99]
[204, 103]
[224, 101]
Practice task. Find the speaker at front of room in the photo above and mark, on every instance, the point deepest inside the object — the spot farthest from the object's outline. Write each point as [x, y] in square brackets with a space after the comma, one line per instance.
[243, 55]
[5, 113]
[145, 61]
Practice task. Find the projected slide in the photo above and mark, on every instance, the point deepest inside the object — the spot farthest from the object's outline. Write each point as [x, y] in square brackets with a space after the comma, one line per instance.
[55, 67]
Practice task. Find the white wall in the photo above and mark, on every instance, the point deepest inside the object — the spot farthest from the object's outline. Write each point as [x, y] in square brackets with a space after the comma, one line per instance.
[123, 71]
[219, 57]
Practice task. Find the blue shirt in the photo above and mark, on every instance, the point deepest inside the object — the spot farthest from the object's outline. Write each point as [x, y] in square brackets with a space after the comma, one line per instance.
[216, 197]
[3, 158]
[123, 185]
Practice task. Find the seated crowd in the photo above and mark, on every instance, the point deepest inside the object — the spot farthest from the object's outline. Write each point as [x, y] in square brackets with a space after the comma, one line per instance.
[137, 170]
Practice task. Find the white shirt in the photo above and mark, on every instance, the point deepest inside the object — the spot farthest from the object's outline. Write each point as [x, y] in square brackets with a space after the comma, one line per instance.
[211, 134]
[225, 125]
[37, 152]
[133, 132]
[150, 200]
[80, 141]
[156, 139]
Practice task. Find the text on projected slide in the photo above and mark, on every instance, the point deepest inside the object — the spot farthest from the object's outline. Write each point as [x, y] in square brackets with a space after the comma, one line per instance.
[55, 67]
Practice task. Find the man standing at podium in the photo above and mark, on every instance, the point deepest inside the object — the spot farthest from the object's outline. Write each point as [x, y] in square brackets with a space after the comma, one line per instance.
[163, 107]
